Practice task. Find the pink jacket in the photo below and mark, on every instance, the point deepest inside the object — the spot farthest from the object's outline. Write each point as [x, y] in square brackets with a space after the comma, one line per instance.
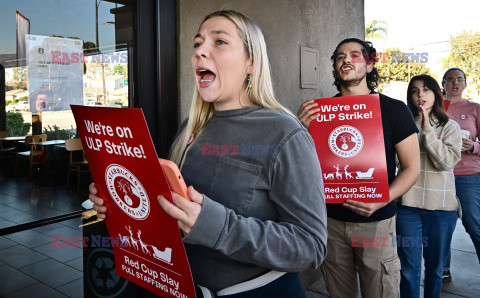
[467, 114]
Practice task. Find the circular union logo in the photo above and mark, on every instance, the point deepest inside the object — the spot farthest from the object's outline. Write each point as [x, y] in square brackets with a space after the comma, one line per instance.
[127, 192]
[345, 141]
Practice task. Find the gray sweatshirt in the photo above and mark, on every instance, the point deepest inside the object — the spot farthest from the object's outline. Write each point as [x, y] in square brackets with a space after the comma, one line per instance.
[264, 205]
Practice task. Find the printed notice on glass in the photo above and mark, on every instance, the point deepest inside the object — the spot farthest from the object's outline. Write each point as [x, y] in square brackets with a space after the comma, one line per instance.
[128, 176]
[55, 72]
[348, 137]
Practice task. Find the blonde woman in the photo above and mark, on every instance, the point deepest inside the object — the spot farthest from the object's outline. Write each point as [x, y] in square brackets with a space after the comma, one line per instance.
[258, 207]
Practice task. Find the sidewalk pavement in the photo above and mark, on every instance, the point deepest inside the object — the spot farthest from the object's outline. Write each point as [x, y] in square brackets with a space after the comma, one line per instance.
[465, 271]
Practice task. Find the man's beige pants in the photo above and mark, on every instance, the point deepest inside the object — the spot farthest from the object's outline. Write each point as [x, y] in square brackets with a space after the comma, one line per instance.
[365, 248]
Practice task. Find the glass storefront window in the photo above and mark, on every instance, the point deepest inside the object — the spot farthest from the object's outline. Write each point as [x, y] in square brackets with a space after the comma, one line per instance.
[54, 53]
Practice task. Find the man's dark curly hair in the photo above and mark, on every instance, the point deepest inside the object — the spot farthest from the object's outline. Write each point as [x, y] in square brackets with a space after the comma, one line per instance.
[369, 53]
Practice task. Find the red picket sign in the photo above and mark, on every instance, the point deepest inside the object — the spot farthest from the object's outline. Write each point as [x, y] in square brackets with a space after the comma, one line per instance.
[146, 241]
[348, 137]
[446, 104]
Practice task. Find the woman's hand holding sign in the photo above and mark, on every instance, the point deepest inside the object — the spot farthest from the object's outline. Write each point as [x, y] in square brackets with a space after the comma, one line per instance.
[183, 210]
[97, 202]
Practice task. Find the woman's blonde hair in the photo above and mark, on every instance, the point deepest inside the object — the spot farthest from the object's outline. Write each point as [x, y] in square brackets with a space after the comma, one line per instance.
[260, 93]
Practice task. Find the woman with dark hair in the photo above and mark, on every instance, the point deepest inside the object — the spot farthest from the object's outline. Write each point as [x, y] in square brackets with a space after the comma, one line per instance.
[467, 172]
[427, 213]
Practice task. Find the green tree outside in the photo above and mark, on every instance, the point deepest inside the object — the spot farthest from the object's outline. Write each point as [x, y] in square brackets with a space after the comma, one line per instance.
[119, 69]
[395, 65]
[376, 29]
[15, 125]
[55, 133]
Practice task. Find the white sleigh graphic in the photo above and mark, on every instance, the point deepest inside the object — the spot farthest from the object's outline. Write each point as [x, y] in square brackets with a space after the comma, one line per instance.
[165, 255]
[365, 175]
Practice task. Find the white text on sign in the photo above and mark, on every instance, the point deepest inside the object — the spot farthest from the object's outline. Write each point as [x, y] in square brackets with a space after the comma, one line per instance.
[119, 148]
[329, 112]
[166, 283]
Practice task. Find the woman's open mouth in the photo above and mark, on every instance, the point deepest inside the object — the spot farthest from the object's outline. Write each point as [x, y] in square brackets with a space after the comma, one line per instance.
[206, 76]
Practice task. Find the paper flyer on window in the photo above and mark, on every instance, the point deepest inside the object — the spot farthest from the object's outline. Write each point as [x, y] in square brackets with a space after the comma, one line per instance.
[128, 175]
[348, 137]
[55, 72]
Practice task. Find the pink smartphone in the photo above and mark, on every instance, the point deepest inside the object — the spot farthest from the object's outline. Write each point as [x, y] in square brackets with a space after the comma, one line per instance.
[174, 178]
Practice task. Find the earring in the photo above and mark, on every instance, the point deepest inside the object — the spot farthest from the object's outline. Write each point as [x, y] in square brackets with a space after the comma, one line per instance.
[249, 84]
